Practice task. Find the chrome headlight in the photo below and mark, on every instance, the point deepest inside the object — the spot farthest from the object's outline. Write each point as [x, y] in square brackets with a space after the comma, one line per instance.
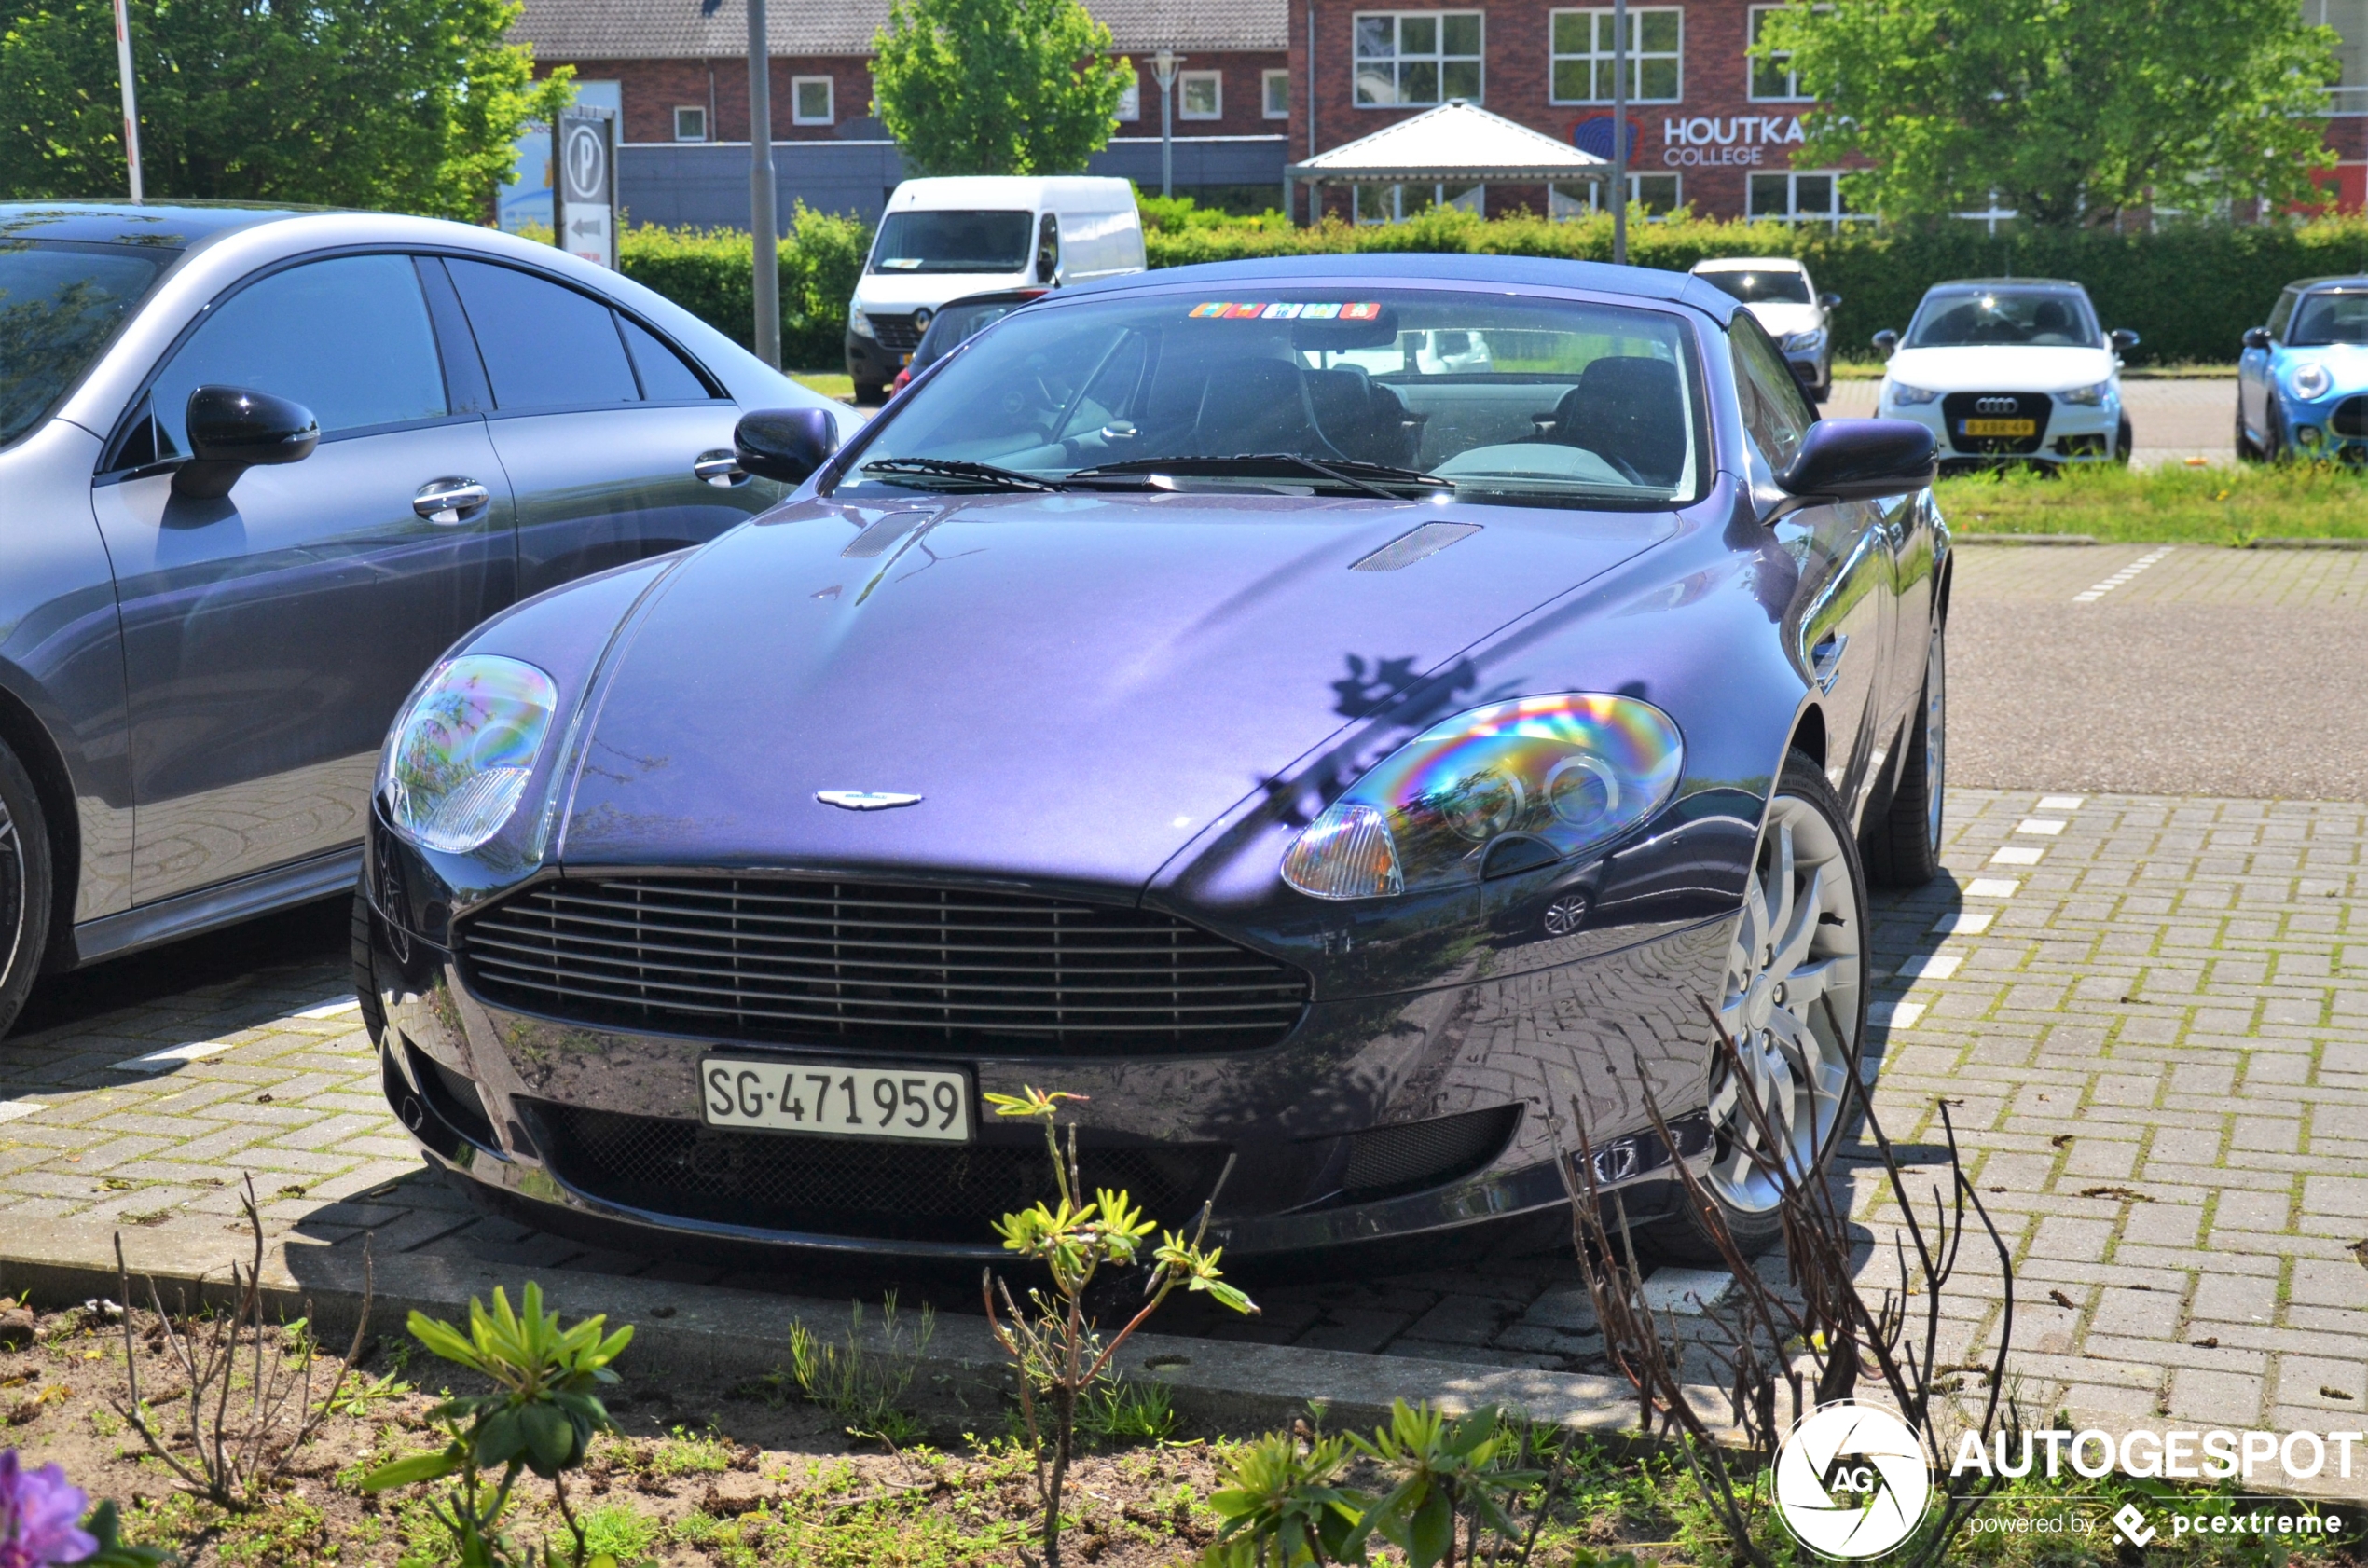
[1806, 342]
[861, 325]
[2088, 397]
[1564, 772]
[1900, 394]
[462, 751]
[2309, 379]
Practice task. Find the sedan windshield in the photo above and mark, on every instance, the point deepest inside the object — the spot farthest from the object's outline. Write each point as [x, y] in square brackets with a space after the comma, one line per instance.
[1355, 390]
[951, 243]
[1773, 287]
[956, 324]
[59, 305]
[2331, 318]
[1961, 318]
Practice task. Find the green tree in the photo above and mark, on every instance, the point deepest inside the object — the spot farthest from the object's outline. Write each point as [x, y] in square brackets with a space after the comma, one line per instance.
[996, 87]
[410, 106]
[2070, 111]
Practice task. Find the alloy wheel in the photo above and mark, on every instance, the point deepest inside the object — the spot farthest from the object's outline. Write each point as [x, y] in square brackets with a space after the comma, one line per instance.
[1935, 735]
[1793, 977]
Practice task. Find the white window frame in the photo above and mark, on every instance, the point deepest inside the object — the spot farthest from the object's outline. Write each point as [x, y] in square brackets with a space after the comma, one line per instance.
[1381, 204]
[698, 109]
[1560, 205]
[2349, 18]
[1185, 81]
[1599, 53]
[1130, 103]
[1833, 217]
[1267, 82]
[1396, 58]
[1751, 63]
[797, 101]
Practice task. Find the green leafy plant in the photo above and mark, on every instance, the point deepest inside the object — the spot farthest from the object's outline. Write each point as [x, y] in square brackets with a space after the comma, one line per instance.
[1283, 1506]
[1056, 1352]
[1448, 1471]
[862, 1385]
[540, 1417]
[1127, 1410]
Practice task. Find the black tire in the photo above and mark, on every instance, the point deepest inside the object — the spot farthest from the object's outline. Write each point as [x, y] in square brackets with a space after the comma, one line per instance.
[1901, 842]
[25, 886]
[2274, 438]
[870, 393]
[2246, 450]
[2125, 438]
[1834, 942]
[366, 976]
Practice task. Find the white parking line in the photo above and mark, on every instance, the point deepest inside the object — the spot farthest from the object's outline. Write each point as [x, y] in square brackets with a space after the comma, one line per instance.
[1931, 966]
[1991, 887]
[172, 1056]
[11, 1109]
[2018, 855]
[331, 1009]
[2045, 827]
[1895, 1015]
[1958, 922]
[2092, 595]
[2060, 803]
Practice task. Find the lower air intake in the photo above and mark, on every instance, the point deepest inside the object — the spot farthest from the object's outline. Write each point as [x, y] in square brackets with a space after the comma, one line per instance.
[1414, 1155]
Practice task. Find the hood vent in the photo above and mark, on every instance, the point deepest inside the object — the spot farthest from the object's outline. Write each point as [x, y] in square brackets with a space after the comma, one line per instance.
[1407, 548]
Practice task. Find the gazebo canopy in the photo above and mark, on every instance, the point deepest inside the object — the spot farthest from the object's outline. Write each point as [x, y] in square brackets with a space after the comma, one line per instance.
[1455, 143]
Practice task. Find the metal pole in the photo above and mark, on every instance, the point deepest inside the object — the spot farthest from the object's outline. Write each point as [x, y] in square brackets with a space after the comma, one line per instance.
[1314, 191]
[1620, 132]
[764, 226]
[1163, 71]
[131, 97]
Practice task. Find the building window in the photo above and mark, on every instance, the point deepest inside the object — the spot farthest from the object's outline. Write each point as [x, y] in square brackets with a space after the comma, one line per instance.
[1274, 94]
[1396, 203]
[690, 124]
[1417, 56]
[1582, 55]
[1200, 95]
[1801, 198]
[1661, 195]
[2349, 19]
[1773, 78]
[810, 101]
[1130, 102]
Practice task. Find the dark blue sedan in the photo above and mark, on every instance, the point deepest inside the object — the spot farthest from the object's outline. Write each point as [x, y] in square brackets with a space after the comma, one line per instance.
[1351, 765]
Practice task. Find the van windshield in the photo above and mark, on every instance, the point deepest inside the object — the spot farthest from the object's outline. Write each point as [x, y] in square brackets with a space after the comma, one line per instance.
[1773, 286]
[953, 242]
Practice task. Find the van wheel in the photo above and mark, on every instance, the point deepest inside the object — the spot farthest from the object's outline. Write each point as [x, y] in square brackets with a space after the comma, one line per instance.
[869, 392]
[25, 888]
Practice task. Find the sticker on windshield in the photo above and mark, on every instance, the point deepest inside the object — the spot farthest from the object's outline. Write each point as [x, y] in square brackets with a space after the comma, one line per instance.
[1360, 311]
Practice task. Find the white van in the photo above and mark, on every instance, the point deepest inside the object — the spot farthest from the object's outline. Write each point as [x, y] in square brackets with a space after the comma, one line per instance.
[943, 239]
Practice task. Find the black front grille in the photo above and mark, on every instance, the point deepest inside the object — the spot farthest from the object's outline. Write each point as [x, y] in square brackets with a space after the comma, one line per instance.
[1957, 407]
[2350, 417]
[875, 964]
[834, 1187]
[898, 332]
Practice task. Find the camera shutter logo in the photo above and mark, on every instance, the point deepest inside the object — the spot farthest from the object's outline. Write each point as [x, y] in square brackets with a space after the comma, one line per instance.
[1852, 1481]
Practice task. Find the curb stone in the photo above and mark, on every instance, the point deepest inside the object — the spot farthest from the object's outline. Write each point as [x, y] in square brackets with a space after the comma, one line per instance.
[2056, 539]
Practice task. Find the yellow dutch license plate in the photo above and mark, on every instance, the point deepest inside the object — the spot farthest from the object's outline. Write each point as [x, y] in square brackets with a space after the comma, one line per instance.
[1998, 427]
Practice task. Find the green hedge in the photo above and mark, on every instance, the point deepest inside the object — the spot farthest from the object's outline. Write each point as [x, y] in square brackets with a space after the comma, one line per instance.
[2189, 291]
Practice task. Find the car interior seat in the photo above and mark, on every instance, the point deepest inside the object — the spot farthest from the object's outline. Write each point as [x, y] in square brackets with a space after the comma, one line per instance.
[1629, 410]
[1362, 419]
[2052, 317]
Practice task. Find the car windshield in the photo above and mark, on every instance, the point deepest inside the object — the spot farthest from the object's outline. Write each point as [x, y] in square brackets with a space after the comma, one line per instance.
[2331, 318]
[59, 305]
[1961, 318]
[953, 242]
[1774, 286]
[956, 324]
[1357, 389]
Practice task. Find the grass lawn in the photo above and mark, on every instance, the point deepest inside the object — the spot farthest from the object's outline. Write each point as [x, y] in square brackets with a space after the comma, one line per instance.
[830, 383]
[2203, 505]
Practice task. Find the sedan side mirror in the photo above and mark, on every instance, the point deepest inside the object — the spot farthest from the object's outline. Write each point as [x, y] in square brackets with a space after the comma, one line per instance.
[1888, 341]
[1829, 301]
[231, 430]
[2257, 337]
[2121, 338]
[1857, 459]
[785, 444]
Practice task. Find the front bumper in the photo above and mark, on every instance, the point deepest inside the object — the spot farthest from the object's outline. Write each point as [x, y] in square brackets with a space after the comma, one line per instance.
[2070, 433]
[2334, 426]
[585, 1129]
[869, 363]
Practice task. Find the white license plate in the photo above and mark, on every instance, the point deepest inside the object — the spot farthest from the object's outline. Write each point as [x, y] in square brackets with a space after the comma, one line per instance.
[834, 1100]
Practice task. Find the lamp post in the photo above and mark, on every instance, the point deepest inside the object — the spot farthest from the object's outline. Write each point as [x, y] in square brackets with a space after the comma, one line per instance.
[1619, 133]
[761, 219]
[131, 98]
[1163, 72]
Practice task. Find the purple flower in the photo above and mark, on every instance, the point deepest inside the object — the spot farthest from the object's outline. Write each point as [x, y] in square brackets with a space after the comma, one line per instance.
[39, 1514]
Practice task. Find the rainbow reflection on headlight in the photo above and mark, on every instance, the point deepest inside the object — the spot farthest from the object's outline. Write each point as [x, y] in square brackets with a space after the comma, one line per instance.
[1572, 769]
[463, 750]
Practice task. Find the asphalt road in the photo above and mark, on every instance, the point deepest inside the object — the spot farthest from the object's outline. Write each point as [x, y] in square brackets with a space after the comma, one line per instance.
[2210, 672]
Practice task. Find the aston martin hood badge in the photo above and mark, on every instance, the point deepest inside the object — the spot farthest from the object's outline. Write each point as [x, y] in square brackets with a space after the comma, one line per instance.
[864, 800]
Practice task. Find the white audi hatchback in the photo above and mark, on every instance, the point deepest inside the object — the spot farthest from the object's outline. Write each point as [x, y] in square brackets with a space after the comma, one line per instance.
[2009, 371]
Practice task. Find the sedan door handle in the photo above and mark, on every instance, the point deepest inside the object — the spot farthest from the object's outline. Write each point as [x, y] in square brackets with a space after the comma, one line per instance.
[1825, 659]
[720, 468]
[451, 501]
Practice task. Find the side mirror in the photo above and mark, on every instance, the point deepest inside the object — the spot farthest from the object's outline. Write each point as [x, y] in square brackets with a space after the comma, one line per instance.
[785, 444]
[2257, 337]
[1829, 301]
[2121, 338]
[1857, 459]
[232, 430]
[1888, 341]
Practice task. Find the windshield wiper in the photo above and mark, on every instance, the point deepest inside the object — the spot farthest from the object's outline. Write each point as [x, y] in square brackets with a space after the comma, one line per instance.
[978, 473]
[1346, 471]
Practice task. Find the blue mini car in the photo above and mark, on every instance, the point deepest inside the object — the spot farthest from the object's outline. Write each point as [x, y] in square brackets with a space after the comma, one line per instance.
[2302, 384]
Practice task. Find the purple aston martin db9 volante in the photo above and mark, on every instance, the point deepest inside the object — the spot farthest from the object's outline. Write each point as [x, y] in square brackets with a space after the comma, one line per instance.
[1344, 758]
